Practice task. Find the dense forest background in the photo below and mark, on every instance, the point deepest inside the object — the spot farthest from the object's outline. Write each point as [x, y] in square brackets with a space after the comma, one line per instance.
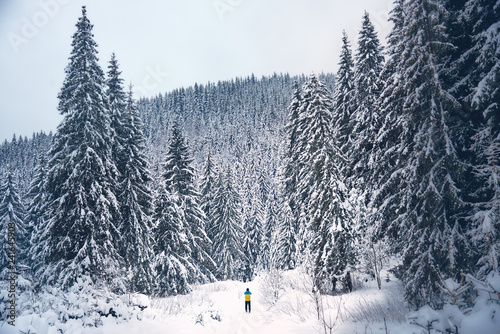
[236, 120]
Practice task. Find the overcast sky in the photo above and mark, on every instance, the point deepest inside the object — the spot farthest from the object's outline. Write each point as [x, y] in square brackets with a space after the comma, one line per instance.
[162, 45]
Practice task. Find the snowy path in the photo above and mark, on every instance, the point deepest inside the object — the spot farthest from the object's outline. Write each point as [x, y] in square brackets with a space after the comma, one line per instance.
[220, 308]
[229, 302]
[237, 320]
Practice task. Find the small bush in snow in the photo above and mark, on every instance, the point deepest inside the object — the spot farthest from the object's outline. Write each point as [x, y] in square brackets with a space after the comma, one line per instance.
[370, 311]
[82, 305]
[272, 286]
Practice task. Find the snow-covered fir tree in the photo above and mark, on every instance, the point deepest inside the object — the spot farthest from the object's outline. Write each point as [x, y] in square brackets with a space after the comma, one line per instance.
[434, 244]
[136, 202]
[290, 181]
[389, 150]
[179, 178]
[226, 229]
[344, 96]
[207, 189]
[292, 165]
[324, 209]
[14, 232]
[264, 183]
[172, 253]
[286, 243]
[268, 256]
[116, 104]
[83, 211]
[364, 120]
[36, 216]
[253, 239]
[483, 99]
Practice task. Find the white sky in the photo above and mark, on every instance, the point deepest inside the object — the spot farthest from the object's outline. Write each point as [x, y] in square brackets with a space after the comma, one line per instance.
[162, 45]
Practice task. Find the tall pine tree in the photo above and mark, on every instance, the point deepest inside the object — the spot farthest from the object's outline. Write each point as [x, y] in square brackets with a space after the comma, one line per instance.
[171, 247]
[286, 251]
[483, 97]
[434, 244]
[344, 95]
[364, 119]
[179, 179]
[291, 170]
[82, 233]
[14, 233]
[324, 208]
[116, 103]
[226, 227]
[253, 241]
[207, 189]
[389, 150]
[37, 216]
[136, 202]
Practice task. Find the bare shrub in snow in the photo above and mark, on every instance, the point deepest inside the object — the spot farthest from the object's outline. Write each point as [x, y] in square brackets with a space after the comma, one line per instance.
[331, 316]
[272, 286]
[298, 307]
[391, 310]
[174, 305]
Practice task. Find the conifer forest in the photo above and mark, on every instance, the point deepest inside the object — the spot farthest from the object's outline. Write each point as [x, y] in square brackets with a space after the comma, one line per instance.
[392, 162]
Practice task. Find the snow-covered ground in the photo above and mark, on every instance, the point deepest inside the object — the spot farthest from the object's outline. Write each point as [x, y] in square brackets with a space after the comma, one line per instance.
[281, 303]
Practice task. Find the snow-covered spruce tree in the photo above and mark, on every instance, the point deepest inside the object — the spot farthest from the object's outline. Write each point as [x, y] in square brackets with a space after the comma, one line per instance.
[136, 202]
[179, 179]
[36, 216]
[252, 243]
[364, 120]
[227, 248]
[484, 99]
[486, 210]
[207, 188]
[389, 150]
[473, 28]
[12, 226]
[286, 241]
[264, 182]
[269, 228]
[343, 100]
[171, 246]
[291, 169]
[472, 78]
[116, 103]
[83, 210]
[432, 229]
[321, 187]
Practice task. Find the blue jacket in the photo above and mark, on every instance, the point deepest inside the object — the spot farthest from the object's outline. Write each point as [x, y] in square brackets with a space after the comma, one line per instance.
[247, 296]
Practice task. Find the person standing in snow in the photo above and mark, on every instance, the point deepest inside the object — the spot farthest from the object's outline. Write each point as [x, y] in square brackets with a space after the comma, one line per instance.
[247, 301]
